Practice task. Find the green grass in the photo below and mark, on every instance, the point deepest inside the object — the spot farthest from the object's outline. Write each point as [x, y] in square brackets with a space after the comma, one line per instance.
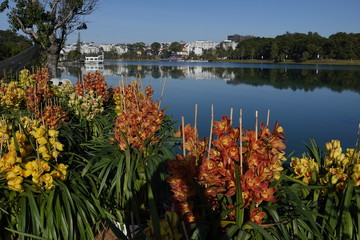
[320, 62]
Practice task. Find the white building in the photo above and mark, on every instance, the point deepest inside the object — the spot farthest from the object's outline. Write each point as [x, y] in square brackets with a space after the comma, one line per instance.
[119, 48]
[89, 48]
[227, 44]
[199, 46]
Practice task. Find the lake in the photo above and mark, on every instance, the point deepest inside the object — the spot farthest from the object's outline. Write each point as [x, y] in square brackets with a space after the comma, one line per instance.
[309, 101]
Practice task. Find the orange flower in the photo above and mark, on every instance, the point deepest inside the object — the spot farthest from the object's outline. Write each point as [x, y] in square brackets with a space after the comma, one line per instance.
[223, 127]
[256, 216]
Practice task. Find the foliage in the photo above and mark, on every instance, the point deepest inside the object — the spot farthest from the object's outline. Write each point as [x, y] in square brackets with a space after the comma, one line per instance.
[48, 23]
[155, 48]
[175, 47]
[77, 159]
[62, 177]
[74, 55]
[336, 176]
[299, 47]
[12, 43]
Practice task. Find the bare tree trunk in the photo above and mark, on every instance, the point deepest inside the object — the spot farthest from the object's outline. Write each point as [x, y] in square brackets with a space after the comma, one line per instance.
[52, 54]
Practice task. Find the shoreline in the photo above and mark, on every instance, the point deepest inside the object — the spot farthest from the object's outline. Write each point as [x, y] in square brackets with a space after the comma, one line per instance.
[308, 62]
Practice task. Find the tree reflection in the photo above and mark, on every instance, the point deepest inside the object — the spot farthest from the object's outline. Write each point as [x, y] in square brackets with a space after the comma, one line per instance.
[296, 78]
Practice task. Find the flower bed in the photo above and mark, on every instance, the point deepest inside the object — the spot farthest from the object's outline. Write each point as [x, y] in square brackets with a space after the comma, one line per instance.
[76, 159]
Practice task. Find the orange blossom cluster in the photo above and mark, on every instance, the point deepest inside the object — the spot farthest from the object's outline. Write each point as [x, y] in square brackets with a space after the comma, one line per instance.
[138, 116]
[259, 164]
[53, 116]
[40, 91]
[94, 82]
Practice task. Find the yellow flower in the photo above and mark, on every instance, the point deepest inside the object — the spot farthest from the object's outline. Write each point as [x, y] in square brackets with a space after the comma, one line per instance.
[55, 174]
[17, 169]
[43, 149]
[42, 141]
[48, 180]
[23, 152]
[59, 146]
[10, 157]
[45, 166]
[328, 146]
[39, 132]
[10, 175]
[55, 154]
[15, 184]
[62, 169]
[46, 156]
[356, 168]
[356, 177]
[27, 172]
[53, 133]
[52, 141]
[280, 130]
[32, 165]
[36, 177]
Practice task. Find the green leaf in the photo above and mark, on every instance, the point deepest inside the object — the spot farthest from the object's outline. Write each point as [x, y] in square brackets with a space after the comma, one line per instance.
[261, 230]
[35, 214]
[357, 197]
[346, 224]
[231, 232]
[26, 234]
[239, 202]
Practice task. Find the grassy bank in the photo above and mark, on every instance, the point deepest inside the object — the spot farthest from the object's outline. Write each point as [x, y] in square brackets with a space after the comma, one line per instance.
[318, 62]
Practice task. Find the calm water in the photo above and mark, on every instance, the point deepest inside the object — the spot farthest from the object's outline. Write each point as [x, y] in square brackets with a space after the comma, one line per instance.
[309, 101]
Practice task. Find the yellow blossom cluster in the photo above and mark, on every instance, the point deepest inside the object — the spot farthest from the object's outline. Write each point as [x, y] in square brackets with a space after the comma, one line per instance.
[11, 95]
[305, 169]
[47, 145]
[20, 162]
[87, 105]
[4, 131]
[26, 79]
[65, 89]
[338, 167]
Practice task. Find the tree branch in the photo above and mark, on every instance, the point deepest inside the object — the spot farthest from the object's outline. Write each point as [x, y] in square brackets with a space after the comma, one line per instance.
[53, 8]
[22, 26]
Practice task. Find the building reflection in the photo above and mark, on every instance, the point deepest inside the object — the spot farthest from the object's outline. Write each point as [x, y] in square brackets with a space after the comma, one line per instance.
[282, 78]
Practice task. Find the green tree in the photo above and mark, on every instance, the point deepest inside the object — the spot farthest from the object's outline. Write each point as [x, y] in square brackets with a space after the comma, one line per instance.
[12, 43]
[175, 47]
[155, 48]
[48, 23]
[74, 55]
[165, 53]
[345, 45]
[274, 51]
[112, 54]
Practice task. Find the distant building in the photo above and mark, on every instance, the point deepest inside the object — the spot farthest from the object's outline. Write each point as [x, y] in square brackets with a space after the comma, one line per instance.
[238, 38]
[119, 48]
[227, 44]
[199, 46]
[89, 48]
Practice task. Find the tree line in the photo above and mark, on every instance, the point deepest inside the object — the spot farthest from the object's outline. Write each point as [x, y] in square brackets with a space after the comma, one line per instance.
[295, 46]
[289, 46]
[12, 44]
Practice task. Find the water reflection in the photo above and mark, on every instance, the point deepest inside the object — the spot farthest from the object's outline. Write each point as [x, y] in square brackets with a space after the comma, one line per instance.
[319, 102]
[307, 78]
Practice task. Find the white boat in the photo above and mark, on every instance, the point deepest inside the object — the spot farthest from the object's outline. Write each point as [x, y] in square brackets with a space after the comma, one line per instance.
[98, 59]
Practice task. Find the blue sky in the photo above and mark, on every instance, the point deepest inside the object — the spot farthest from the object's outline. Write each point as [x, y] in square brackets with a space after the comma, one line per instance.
[130, 21]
